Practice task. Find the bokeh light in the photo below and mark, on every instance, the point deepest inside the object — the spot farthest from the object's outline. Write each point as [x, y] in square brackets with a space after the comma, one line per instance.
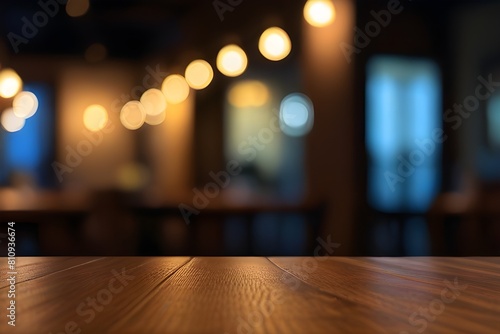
[10, 121]
[25, 104]
[296, 115]
[10, 83]
[319, 13]
[175, 88]
[156, 119]
[232, 60]
[154, 101]
[248, 93]
[199, 74]
[133, 115]
[95, 117]
[274, 44]
[75, 8]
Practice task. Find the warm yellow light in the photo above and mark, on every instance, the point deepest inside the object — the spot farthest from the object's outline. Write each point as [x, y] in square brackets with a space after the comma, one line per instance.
[199, 74]
[75, 8]
[154, 101]
[250, 93]
[232, 60]
[10, 83]
[25, 104]
[319, 13]
[274, 44]
[175, 88]
[133, 115]
[95, 117]
[10, 121]
[156, 119]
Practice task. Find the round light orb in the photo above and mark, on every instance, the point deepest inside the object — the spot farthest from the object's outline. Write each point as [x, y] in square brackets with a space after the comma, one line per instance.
[10, 83]
[175, 88]
[319, 13]
[25, 104]
[95, 117]
[199, 74]
[10, 121]
[274, 44]
[156, 119]
[232, 60]
[154, 101]
[296, 115]
[75, 8]
[133, 115]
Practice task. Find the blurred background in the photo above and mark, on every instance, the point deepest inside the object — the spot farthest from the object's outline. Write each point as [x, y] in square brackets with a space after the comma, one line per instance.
[238, 127]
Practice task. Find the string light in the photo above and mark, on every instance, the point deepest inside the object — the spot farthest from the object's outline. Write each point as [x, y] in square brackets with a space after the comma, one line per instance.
[232, 60]
[319, 13]
[274, 44]
[25, 104]
[10, 83]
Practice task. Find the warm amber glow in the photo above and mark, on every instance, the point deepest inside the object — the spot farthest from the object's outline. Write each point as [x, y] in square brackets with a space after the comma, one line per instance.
[133, 115]
[274, 44]
[154, 102]
[175, 88]
[132, 176]
[25, 104]
[232, 60]
[10, 121]
[10, 83]
[95, 117]
[319, 13]
[250, 93]
[199, 74]
[156, 119]
[75, 8]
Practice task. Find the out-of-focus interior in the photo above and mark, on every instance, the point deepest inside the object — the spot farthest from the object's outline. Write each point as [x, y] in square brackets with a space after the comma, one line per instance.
[238, 127]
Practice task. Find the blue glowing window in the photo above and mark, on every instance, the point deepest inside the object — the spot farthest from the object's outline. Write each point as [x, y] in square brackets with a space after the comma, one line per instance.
[493, 120]
[27, 152]
[403, 111]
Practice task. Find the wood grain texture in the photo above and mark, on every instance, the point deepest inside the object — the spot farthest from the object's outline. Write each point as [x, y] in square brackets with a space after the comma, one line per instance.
[255, 295]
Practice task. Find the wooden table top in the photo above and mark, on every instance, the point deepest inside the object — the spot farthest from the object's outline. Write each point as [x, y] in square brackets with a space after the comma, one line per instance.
[253, 295]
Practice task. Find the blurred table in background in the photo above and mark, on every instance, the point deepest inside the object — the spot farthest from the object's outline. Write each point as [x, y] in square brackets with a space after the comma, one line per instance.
[113, 223]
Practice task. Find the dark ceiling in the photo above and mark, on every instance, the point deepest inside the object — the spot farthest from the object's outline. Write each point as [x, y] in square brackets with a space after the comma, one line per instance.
[135, 29]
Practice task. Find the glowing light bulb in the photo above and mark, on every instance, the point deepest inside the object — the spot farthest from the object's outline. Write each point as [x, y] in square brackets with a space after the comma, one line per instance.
[95, 117]
[175, 88]
[156, 119]
[10, 121]
[154, 101]
[25, 104]
[319, 13]
[133, 115]
[274, 44]
[296, 115]
[10, 83]
[199, 74]
[232, 60]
